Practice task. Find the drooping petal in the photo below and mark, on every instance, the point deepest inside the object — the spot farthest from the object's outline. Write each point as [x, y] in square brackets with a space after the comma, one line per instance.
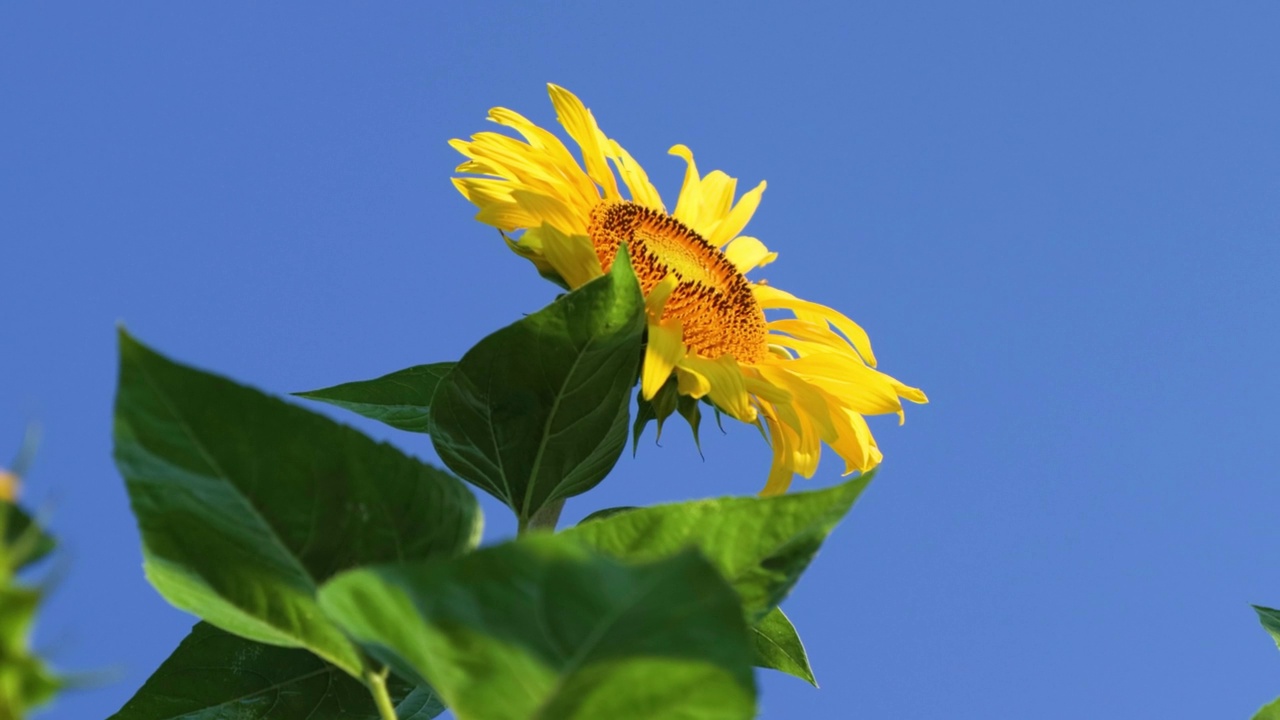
[572, 256]
[727, 388]
[664, 349]
[772, 297]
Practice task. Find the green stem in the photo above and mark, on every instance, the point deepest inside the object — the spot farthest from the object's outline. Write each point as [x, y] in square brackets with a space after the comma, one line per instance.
[545, 519]
[377, 682]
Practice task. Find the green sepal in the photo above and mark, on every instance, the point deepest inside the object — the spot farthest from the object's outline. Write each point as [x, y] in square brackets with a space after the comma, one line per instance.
[660, 408]
[690, 410]
[401, 399]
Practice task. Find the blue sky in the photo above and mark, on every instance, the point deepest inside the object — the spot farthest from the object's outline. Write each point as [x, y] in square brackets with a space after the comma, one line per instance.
[1059, 219]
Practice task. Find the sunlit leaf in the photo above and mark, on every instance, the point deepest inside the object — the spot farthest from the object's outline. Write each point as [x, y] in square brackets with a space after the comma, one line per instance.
[778, 647]
[760, 544]
[544, 628]
[246, 503]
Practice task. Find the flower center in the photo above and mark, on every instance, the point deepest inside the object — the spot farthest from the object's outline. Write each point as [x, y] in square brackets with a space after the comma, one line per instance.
[712, 300]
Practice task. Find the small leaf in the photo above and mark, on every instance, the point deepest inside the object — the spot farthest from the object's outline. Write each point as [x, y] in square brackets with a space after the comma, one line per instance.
[778, 647]
[537, 411]
[26, 542]
[401, 399]
[214, 675]
[246, 503]
[25, 680]
[544, 628]
[760, 544]
[1270, 620]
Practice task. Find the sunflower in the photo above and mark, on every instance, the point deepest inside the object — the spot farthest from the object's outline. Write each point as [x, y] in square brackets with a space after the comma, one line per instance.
[808, 377]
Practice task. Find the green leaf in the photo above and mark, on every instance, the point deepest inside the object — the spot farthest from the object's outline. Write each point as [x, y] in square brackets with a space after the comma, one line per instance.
[606, 512]
[25, 680]
[760, 544]
[1270, 620]
[401, 399]
[537, 411]
[25, 541]
[544, 628]
[246, 503]
[1270, 711]
[214, 675]
[778, 647]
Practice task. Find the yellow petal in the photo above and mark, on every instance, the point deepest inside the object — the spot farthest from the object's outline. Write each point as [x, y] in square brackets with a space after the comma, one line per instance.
[716, 193]
[855, 445]
[781, 471]
[656, 301]
[727, 388]
[690, 382]
[690, 199]
[771, 297]
[581, 126]
[737, 218]
[635, 178]
[860, 388]
[805, 397]
[572, 256]
[664, 350]
[748, 253]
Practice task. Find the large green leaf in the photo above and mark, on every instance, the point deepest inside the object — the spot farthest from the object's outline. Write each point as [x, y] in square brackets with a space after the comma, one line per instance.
[543, 628]
[215, 675]
[24, 540]
[778, 647]
[401, 399]
[1270, 620]
[246, 503]
[761, 545]
[537, 411]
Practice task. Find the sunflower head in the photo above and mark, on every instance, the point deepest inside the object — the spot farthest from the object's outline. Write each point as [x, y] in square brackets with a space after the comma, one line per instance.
[808, 377]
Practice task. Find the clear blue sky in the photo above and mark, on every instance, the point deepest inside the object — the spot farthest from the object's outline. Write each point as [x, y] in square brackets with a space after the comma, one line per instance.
[1059, 219]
